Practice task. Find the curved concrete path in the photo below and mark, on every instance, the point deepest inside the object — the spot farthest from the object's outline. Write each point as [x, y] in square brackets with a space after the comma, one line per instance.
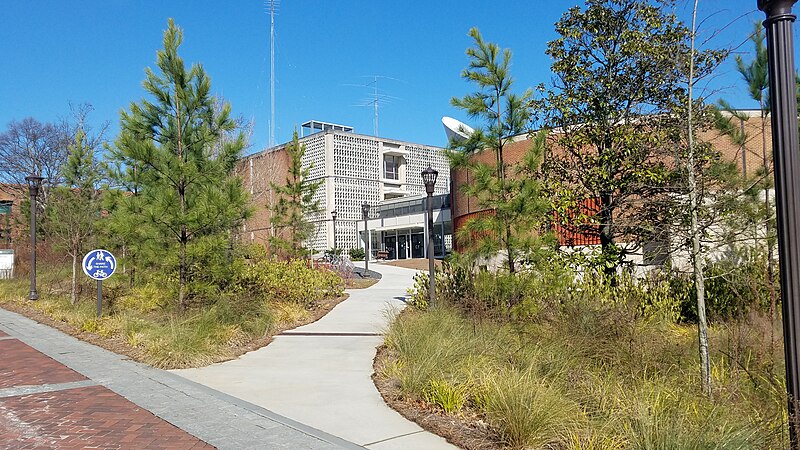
[320, 374]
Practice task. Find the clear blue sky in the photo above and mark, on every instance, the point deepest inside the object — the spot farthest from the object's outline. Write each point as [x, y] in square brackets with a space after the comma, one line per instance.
[95, 51]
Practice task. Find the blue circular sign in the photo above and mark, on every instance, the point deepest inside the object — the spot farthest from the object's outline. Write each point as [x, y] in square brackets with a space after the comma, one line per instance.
[99, 264]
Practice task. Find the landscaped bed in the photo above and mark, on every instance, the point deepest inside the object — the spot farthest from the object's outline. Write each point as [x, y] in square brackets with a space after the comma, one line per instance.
[581, 366]
[143, 322]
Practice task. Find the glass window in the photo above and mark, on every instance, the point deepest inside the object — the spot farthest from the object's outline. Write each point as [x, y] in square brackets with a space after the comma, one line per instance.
[392, 167]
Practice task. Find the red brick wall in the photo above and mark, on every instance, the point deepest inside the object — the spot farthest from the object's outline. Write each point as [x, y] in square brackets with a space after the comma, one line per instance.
[463, 207]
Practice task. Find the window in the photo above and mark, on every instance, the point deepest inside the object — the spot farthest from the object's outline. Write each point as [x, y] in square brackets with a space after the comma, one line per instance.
[392, 167]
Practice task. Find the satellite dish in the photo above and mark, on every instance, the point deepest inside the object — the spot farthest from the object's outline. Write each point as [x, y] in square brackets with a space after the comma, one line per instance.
[456, 129]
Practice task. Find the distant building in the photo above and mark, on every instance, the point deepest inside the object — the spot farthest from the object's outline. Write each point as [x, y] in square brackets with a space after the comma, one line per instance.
[748, 156]
[354, 168]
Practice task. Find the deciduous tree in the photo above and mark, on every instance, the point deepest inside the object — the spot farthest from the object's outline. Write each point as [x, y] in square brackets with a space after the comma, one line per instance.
[616, 83]
[74, 207]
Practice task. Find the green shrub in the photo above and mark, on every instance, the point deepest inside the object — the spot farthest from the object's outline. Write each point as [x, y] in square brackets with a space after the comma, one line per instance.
[418, 295]
[735, 287]
[357, 254]
[146, 297]
[292, 281]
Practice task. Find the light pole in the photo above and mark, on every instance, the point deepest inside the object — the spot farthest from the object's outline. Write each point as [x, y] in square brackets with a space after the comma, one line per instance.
[365, 214]
[429, 178]
[783, 108]
[333, 215]
[34, 183]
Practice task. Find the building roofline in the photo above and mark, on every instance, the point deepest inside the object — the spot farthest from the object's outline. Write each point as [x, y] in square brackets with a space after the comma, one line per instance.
[337, 132]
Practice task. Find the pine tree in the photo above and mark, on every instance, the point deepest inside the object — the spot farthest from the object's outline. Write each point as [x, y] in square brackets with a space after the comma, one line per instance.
[513, 197]
[295, 203]
[187, 188]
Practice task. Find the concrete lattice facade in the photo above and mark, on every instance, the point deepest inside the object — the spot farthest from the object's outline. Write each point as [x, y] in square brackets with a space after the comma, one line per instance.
[354, 169]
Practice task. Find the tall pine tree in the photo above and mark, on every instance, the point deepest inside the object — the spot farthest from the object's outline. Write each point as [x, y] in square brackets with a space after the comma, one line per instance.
[175, 142]
[295, 204]
[518, 208]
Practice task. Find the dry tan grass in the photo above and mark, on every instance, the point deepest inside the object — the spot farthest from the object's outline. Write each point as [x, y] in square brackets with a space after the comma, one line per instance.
[416, 263]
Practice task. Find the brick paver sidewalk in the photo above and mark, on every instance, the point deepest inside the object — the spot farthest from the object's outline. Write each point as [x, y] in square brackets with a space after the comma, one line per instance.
[44, 404]
[59, 392]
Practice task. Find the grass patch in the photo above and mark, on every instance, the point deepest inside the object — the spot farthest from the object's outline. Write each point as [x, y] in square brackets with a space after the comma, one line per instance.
[589, 377]
[360, 283]
[143, 321]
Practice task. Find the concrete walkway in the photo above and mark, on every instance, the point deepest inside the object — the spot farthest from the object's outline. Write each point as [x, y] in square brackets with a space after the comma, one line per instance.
[320, 374]
[59, 392]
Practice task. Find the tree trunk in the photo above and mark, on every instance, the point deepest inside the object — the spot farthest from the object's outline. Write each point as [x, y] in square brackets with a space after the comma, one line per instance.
[697, 260]
[73, 298]
[768, 233]
[182, 289]
[512, 267]
[607, 236]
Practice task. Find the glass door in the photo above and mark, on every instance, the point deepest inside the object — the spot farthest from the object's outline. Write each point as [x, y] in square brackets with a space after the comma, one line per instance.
[401, 246]
[418, 245]
[391, 246]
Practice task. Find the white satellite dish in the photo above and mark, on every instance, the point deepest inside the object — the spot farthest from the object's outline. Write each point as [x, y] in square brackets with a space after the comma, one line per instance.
[456, 129]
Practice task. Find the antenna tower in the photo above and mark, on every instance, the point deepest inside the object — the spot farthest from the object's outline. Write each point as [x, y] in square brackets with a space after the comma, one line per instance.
[273, 6]
[375, 103]
[376, 98]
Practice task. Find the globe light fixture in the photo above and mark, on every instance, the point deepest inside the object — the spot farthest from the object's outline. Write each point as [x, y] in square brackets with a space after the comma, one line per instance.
[34, 185]
[429, 176]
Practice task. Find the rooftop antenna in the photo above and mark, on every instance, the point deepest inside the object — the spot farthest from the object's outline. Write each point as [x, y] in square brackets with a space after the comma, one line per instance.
[376, 98]
[273, 6]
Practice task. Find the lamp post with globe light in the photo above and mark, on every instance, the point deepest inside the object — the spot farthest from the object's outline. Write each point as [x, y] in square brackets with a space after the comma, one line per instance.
[365, 214]
[333, 216]
[34, 184]
[429, 176]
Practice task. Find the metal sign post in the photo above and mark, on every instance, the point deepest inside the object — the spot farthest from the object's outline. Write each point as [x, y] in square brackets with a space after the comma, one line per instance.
[98, 265]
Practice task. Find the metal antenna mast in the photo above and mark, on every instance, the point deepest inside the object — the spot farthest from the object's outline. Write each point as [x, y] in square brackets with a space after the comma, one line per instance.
[375, 103]
[376, 98]
[273, 5]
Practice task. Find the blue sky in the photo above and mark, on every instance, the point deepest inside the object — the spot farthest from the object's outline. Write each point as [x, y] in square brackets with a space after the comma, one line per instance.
[95, 51]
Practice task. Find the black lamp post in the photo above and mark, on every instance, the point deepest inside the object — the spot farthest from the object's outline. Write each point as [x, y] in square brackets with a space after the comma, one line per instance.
[365, 214]
[429, 178]
[333, 215]
[783, 107]
[34, 183]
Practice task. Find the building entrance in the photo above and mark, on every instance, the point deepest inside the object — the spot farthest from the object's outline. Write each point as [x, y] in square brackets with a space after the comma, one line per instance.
[391, 246]
[401, 247]
[418, 245]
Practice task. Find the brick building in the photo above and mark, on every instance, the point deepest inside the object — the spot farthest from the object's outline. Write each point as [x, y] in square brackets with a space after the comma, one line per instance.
[749, 158]
[354, 169]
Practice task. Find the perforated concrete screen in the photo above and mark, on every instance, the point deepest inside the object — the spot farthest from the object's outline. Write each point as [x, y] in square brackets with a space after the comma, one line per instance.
[351, 169]
[419, 159]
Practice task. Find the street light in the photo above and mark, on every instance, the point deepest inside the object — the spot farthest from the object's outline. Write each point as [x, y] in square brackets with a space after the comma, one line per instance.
[783, 108]
[34, 183]
[365, 214]
[334, 214]
[429, 178]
